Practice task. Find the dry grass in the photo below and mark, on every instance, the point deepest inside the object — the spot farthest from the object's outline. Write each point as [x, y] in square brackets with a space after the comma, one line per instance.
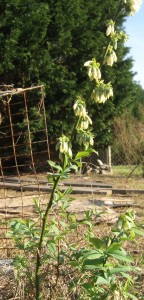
[124, 183]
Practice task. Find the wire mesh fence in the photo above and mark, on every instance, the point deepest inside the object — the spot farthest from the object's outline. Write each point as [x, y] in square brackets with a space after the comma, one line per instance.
[107, 157]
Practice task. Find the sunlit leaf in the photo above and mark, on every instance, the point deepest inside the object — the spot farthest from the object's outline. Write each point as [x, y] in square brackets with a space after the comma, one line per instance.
[138, 231]
[86, 153]
[102, 280]
[53, 165]
[120, 255]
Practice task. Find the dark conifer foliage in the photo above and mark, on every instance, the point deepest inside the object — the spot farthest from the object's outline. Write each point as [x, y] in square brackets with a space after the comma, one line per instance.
[49, 41]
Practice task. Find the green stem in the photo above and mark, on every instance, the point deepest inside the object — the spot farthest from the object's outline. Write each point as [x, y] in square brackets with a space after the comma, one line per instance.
[44, 221]
[74, 128]
[38, 258]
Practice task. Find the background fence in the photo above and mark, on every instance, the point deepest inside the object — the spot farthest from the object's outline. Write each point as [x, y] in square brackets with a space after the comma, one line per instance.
[106, 155]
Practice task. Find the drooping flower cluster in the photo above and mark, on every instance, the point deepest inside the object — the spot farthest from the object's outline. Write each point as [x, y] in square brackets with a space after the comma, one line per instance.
[93, 69]
[84, 123]
[64, 147]
[79, 107]
[80, 111]
[102, 92]
[85, 138]
[118, 36]
[110, 28]
[110, 57]
[134, 5]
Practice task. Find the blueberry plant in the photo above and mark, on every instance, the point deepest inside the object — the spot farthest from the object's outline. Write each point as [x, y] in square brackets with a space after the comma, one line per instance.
[55, 263]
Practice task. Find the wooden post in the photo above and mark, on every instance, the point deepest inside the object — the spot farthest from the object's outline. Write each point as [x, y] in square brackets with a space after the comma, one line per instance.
[109, 162]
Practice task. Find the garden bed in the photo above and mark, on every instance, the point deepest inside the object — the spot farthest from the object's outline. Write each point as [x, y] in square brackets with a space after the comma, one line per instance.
[8, 287]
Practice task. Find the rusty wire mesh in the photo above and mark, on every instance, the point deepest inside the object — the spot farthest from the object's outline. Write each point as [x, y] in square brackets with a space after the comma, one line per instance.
[23, 144]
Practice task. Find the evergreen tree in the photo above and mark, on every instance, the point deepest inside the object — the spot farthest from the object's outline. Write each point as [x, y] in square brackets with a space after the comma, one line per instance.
[48, 42]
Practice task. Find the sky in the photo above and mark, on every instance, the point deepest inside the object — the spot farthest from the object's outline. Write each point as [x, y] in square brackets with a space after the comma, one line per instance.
[134, 27]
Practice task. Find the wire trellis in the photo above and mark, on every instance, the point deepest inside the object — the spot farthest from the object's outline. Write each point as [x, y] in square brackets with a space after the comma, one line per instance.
[23, 143]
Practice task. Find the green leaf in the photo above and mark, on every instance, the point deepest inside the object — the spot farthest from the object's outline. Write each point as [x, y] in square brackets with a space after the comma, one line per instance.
[52, 176]
[73, 226]
[93, 264]
[86, 153]
[123, 269]
[74, 167]
[96, 242]
[68, 191]
[131, 296]
[120, 255]
[92, 254]
[73, 263]
[102, 280]
[113, 247]
[53, 165]
[138, 231]
[51, 246]
[79, 164]
[55, 229]
[87, 285]
[37, 205]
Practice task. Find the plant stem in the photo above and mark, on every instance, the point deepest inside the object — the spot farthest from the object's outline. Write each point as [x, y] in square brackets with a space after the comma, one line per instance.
[44, 221]
[38, 258]
[74, 128]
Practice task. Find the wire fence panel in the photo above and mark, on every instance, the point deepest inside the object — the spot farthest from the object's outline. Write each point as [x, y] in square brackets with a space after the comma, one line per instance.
[24, 151]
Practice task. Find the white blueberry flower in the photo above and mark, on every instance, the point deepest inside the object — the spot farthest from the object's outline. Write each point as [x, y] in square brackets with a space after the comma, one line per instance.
[93, 69]
[84, 123]
[102, 92]
[79, 107]
[110, 28]
[69, 152]
[64, 146]
[134, 5]
[110, 58]
[87, 63]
